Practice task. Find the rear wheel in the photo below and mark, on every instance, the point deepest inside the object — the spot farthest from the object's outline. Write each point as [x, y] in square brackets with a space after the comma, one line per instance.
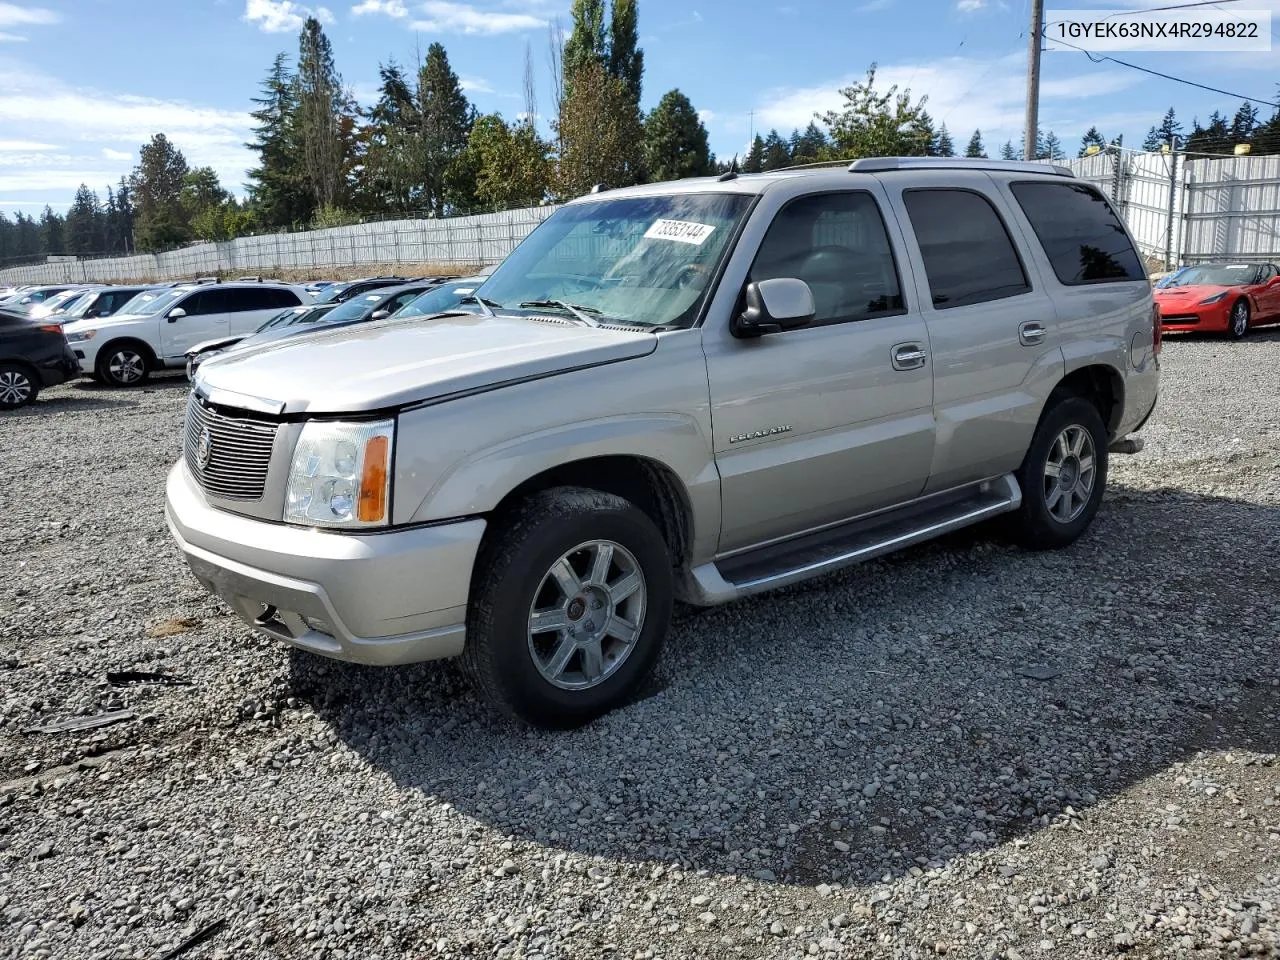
[123, 364]
[1238, 322]
[1063, 475]
[18, 386]
[570, 606]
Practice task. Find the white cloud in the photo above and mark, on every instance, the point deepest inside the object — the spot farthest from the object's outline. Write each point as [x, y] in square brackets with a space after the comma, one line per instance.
[966, 94]
[475, 85]
[706, 116]
[444, 16]
[24, 146]
[970, 6]
[872, 5]
[282, 16]
[390, 8]
[11, 38]
[11, 15]
[97, 126]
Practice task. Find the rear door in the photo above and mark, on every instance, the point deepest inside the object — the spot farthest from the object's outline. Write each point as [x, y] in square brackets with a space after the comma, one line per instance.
[1268, 296]
[205, 319]
[992, 325]
[250, 307]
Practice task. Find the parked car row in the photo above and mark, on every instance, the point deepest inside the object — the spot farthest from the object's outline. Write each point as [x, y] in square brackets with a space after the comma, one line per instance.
[120, 335]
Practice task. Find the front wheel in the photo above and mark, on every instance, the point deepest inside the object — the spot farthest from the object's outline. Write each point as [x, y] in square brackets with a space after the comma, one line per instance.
[124, 364]
[1238, 323]
[1063, 475]
[570, 605]
[17, 386]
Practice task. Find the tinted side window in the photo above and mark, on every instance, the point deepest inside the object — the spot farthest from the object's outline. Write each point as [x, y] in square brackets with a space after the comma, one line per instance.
[204, 301]
[240, 299]
[400, 299]
[968, 256]
[281, 298]
[1080, 233]
[836, 243]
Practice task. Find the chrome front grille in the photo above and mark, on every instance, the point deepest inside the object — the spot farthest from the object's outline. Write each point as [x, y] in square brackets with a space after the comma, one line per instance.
[232, 462]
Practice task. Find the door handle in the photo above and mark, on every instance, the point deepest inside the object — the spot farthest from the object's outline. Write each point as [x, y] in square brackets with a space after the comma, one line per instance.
[1031, 333]
[909, 356]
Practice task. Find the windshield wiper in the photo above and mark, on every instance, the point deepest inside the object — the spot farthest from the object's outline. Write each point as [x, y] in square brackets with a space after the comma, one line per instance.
[577, 310]
[486, 306]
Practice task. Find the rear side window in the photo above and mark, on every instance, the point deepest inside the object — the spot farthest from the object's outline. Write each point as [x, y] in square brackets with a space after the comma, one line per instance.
[282, 298]
[1080, 233]
[968, 256]
[240, 299]
[204, 302]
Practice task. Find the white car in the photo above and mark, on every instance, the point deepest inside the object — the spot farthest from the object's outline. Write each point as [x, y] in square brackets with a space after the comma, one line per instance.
[155, 331]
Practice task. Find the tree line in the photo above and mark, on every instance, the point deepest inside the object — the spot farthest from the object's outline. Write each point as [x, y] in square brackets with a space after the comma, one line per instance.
[423, 149]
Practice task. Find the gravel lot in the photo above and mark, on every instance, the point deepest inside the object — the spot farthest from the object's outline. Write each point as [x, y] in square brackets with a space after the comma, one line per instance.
[849, 768]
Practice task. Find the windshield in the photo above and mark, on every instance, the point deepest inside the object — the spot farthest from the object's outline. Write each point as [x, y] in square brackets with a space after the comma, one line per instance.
[442, 298]
[644, 260]
[328, 293]
[81, 306]
[152, 302]
[281, 318]
[356, 307]
[1216, 275]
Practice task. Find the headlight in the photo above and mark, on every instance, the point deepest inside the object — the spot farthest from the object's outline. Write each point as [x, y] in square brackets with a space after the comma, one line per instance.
[341, 475]
[1214, 299]
[80, 336]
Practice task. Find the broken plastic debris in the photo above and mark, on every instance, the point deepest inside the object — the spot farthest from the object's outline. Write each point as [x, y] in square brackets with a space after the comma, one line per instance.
[121, 678]
[1038, 672]
[82, 723]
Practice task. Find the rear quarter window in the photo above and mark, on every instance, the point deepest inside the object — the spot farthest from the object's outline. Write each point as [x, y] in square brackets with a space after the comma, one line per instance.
[1080, 233]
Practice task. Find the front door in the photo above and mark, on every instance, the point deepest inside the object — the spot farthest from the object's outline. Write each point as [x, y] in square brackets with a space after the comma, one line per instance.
[205, 319]
[827, 422]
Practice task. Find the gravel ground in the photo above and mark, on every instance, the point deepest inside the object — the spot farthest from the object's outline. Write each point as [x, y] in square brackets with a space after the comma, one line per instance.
[850, 768]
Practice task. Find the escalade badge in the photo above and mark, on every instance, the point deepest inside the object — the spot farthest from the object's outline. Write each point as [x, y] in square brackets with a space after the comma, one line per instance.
[758, 434]
[204, 449]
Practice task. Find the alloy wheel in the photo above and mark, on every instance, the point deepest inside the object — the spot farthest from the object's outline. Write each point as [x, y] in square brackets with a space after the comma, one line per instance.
[1069, 473]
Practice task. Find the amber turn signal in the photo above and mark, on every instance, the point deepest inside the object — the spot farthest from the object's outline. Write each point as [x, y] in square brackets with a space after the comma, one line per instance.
[373, 481]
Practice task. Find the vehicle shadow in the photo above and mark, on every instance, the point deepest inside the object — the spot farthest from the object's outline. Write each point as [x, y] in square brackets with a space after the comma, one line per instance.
[878, 708]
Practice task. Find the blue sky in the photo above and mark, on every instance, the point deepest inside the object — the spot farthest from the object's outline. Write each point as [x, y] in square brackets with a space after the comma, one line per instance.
[84, 82]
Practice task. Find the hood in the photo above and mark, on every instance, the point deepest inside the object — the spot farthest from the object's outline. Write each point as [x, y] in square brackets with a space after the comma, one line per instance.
[1194, 293]
[95, 323]
[380, 365]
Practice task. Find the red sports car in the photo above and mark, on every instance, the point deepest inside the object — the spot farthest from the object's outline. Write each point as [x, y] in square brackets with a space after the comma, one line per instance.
[1225, 298]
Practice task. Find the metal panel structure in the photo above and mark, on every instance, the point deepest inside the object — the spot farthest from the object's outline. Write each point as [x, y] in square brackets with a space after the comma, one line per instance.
[1218, 208]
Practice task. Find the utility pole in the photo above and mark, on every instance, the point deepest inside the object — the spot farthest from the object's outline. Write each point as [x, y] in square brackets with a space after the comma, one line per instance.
[1031, 135]
[1173, 200]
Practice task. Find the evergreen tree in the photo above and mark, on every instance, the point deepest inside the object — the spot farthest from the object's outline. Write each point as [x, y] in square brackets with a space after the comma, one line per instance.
[626, 59]
[278, 186]
[586, 43]
[923, 138]
[1158, 137]
[875, 124]
[1007, 152]
[776, 154]
[754, 161]
[1244, 123]
[1050, 148]
[321, 104]
[1214, 139]
[601, 136]
[675, 141]
[84, 233]
[1091, 138]
[728, 166]
[445, 117]
[52, 240]
[944, 147]
[391, 144]
[975, 148]
[808, 146]
[157, 188]
[26, 235]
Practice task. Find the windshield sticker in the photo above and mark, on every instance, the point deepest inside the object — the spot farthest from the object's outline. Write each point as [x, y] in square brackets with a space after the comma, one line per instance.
[681, 231]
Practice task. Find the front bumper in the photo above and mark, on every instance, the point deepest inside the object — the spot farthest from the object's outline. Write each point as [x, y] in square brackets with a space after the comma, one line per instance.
[1214, 318]
[385, 598]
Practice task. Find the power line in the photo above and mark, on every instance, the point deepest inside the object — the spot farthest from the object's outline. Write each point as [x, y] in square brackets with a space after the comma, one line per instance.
[1167, 76]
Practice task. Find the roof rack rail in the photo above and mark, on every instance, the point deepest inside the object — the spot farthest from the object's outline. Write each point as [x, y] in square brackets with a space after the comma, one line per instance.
[884, 164]
[252, 278]
[810, 166]
[207, 280]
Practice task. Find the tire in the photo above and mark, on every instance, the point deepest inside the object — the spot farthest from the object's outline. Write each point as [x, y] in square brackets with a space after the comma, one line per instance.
[1054, 516]
[124, 363]
[1238, 320]
[19, 386]
[537, 567]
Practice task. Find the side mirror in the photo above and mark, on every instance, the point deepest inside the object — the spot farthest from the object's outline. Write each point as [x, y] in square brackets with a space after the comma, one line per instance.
[773, 306]
[379, 314]
[176, 314]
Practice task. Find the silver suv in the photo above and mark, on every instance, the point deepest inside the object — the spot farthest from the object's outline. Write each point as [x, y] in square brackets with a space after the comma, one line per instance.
[697, 391]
